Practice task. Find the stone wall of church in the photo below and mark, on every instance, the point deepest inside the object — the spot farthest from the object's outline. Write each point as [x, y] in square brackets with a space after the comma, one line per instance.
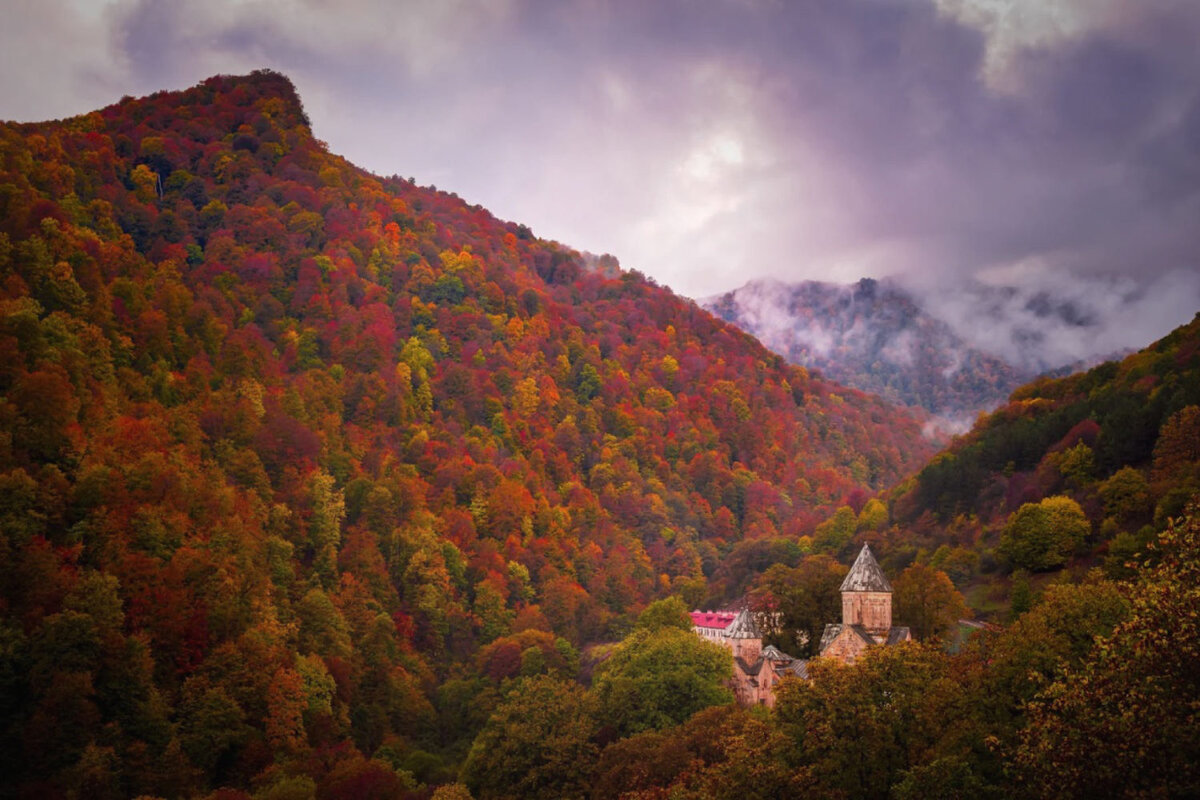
[845, 648]
[746, 649]
[872, 610]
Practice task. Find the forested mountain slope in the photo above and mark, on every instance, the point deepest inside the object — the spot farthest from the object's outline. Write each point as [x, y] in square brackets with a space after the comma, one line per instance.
[1117, 445]
[283, 444]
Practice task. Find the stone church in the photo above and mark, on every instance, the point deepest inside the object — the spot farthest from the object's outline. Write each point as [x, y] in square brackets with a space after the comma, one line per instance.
[866, 613]
[866, 621]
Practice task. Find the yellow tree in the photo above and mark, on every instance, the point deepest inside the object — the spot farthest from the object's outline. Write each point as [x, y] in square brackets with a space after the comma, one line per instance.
[927, 602]
[1042, 536]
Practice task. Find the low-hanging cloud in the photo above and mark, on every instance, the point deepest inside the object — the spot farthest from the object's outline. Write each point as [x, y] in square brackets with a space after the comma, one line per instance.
[1045, 320]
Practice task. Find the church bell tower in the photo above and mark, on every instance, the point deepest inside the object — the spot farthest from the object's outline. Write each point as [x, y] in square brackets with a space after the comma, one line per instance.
[867, 595]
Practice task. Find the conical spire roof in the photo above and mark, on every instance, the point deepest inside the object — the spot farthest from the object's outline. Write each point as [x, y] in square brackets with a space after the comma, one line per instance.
[865, 575]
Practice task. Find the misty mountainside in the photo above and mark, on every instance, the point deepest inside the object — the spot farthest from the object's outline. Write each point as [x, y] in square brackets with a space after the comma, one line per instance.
[1048, 323]
[300, 465]
[874, 335]
[1106, 458]
[1073, 435]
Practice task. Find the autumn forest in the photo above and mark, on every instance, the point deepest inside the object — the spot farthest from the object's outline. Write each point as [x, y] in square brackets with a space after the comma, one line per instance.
[321, 484]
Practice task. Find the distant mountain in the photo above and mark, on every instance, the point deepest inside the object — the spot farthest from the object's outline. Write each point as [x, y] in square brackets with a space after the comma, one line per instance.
[874, 335]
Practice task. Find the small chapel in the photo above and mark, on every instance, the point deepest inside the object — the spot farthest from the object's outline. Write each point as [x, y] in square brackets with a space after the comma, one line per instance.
[866, 613]
[756, 669]
[866, 621]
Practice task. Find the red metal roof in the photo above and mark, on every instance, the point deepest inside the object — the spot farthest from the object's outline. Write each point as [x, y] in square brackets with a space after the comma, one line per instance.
[713, 619]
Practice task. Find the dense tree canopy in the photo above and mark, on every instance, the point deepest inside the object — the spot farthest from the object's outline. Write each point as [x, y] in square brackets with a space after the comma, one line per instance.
[657, 679]
[537, 744]
[1044, 535]
[1126, 721]
[793, 604]
[859, 729]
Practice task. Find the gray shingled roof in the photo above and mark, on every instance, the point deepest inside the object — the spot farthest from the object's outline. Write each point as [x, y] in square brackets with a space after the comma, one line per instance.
[832, 631]
[864, 634]
[773, 653]
[865, 575]
[743, 627]
[798, 668]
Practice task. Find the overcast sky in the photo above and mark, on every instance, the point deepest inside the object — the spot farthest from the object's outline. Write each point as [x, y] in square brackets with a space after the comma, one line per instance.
[707, 142]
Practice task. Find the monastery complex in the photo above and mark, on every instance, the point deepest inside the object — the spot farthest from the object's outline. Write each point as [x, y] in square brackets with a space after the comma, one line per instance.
[866, 621]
